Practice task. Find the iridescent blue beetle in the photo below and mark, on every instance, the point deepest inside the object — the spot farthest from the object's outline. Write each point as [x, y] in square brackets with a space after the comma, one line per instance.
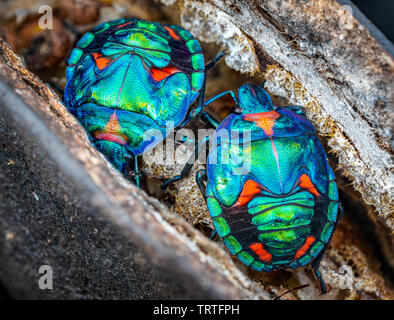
[272, 195]
[128, 76]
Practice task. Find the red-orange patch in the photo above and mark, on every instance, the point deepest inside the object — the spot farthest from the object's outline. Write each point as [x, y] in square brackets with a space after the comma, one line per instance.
[101, 62]
[124, 24]
[301, 251]
[249, 190]
[112, 131]
[172, 33]
[160, 74]
[264, 120]
[263, 254]
[306, 183]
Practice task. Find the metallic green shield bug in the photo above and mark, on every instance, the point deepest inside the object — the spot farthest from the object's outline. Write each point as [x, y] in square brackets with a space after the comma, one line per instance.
[129, 81]
[272, 195]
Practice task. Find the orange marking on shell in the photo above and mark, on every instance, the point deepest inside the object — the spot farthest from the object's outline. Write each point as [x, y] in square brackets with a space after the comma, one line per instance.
[124, 24]
[160, 74]
[301, 251]
[101, 62]
[263, 254]
[112, 131]
[306, 183]
[264, 120]
[172, 33]
[113, 124]
[249, 190]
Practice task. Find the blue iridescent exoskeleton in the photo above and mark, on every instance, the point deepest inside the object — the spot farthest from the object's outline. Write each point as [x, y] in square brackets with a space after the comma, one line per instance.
[129, 82]
[268, 185]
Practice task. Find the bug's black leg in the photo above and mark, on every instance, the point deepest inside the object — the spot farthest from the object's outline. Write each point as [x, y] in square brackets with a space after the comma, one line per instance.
[201, 179]
[195, 113]
[209, 120]
[131, 169]
[184, 173]
[189, 165]
[316, 262]
[230, 92]
[318, 275]
[208, 66]
[215, 60]
[206, 117]
[136, 172]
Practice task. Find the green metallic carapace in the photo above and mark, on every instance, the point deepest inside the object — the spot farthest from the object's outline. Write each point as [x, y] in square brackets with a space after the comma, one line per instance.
[130, 81]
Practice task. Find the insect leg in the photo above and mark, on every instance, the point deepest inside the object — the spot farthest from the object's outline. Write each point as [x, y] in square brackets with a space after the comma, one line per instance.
[131, 169]
[318, 275]
[215, 60]
[205, 116]
[209, 120]
[201, 179]
[230, 92]
[189, 165]
[195, 113]
[136, 172]
[199, 111]
[316, 262]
